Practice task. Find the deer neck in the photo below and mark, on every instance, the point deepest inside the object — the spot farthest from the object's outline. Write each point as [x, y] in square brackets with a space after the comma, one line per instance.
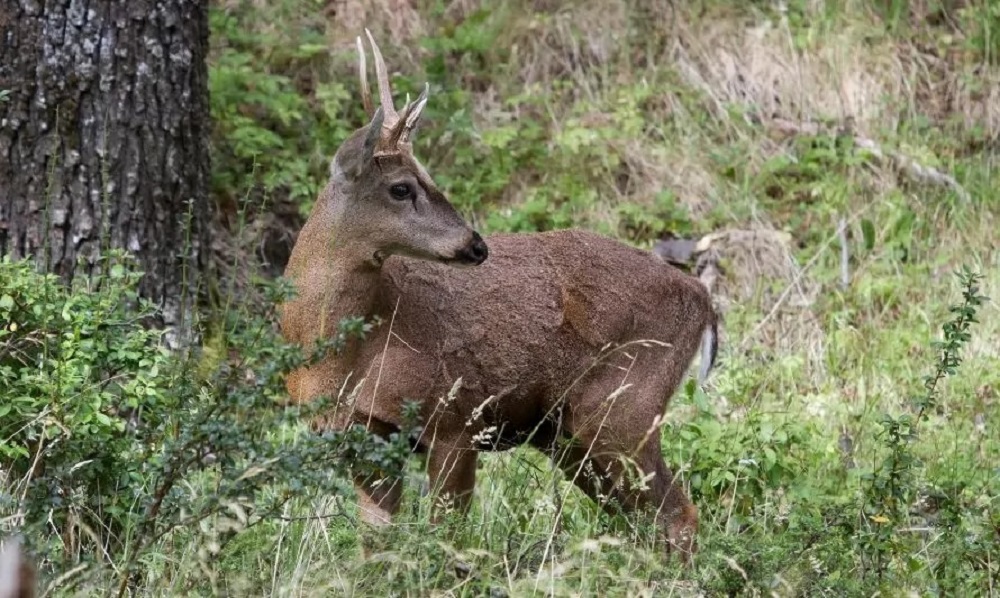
[333, 283]
[339, 282]
[350, 288]
[350, 291]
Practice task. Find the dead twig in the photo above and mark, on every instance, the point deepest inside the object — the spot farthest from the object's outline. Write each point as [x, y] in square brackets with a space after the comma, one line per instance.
[845, 256]
[904, 164]
[745, 344]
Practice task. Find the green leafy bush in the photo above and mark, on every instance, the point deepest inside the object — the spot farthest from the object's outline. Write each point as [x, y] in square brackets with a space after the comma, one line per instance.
[75, 367]
[277, 126]
[895, 484]
[118, 444]
[737, 466]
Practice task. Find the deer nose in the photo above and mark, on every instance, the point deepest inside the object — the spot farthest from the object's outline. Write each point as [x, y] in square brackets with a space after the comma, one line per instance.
[476, 251]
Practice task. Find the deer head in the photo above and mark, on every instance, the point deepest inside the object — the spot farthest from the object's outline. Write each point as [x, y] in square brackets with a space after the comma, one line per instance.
[383, 200]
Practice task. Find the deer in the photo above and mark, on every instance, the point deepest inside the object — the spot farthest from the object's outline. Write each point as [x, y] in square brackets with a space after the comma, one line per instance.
[568, 341]
[17, 575]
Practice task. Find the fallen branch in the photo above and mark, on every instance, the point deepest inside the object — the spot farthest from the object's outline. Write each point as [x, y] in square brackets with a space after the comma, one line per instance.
[904, 164]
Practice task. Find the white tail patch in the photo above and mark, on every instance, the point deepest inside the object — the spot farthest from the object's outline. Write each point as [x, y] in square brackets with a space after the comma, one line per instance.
[709, 345]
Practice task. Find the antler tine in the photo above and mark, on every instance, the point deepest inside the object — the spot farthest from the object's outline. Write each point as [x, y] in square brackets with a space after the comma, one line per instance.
[366, 91]
[413, 114]
[409, 118]
[384, 91]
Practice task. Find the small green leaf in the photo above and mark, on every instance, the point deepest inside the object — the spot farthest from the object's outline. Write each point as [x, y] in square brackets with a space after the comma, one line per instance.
[903, 226]
[6, 302]
[868, 231]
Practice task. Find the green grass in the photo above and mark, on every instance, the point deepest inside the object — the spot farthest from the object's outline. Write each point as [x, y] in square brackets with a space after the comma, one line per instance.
[603, 116]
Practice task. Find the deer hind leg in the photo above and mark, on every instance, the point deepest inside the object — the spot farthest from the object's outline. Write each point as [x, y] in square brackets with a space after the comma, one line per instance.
[617, 487]
[617, 442]
[676, 515]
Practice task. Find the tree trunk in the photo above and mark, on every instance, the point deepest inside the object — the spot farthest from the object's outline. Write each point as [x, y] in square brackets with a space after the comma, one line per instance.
[104, 140]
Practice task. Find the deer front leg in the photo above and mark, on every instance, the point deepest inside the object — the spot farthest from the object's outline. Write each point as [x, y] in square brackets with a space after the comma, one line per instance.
[451, 468]
[378, 499]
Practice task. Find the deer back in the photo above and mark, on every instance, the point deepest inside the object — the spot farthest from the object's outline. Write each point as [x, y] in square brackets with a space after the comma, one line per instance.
[524, 326]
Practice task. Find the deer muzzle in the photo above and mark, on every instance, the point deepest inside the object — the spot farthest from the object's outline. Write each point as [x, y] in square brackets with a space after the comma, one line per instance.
[475, 251]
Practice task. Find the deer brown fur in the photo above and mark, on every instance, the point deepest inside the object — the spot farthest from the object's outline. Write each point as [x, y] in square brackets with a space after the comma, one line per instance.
[554, 337]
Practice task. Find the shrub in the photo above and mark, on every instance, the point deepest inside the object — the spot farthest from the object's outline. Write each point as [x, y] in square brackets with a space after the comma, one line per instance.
[116, 444]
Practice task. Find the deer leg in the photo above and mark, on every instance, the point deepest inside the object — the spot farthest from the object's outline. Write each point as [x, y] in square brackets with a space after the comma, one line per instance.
[608, 429]
[676, 515]
[451, 468]
[378, 499]
[604, 478]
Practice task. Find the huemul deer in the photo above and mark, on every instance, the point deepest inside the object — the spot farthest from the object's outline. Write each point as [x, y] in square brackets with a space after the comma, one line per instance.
[567, 340]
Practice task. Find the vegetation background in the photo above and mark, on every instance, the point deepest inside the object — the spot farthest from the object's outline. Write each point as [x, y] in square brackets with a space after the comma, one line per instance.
[842, 155]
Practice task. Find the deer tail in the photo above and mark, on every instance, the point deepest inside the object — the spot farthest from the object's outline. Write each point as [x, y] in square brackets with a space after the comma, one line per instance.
[709, 348]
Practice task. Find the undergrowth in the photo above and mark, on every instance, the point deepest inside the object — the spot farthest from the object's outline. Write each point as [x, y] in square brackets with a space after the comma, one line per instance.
[112, 448]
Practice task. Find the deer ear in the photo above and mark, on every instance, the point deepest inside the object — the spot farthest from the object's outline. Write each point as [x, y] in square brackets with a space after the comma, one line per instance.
[350, 161]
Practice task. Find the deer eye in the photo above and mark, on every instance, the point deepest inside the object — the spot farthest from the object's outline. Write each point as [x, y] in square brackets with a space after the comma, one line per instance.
[400, 191]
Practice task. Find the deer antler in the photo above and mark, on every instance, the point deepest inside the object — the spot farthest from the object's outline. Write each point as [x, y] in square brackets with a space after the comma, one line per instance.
[396, 127]
[366, 92]
[384, 90]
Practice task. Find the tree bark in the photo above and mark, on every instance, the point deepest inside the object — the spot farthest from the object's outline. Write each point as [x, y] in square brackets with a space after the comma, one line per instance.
[104, 140]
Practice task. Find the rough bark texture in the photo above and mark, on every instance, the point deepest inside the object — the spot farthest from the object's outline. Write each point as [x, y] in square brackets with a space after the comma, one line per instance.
[104, 138]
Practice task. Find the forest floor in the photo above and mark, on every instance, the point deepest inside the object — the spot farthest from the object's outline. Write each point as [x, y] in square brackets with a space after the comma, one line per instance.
[843, 156]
